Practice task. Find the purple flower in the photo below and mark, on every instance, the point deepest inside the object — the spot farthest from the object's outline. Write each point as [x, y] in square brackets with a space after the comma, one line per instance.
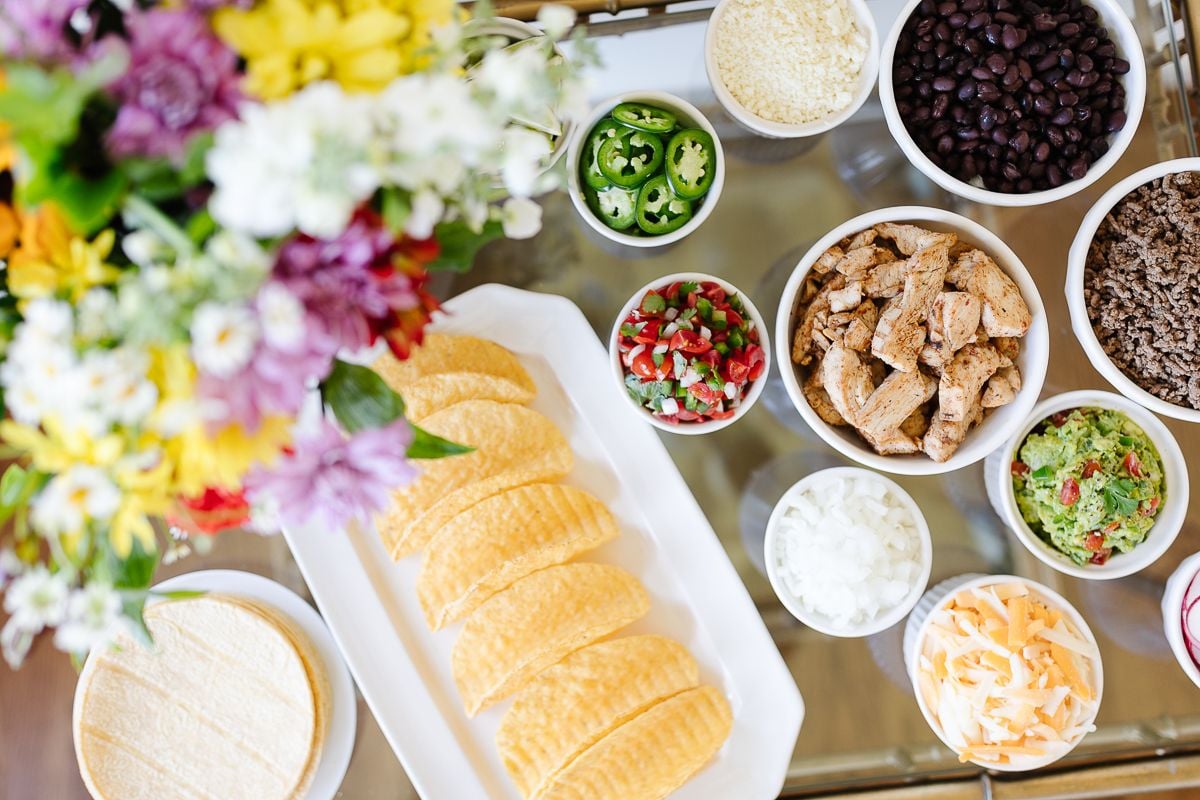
[181, 80]
[349, 281]
[37, 29]
[275, 382]
[331, 479]
[205, 6]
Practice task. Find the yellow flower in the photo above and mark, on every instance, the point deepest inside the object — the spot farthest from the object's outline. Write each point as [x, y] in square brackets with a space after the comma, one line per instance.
[50, 259]
[145, 493]
[361, 44]
[200, 457]
[61, 446]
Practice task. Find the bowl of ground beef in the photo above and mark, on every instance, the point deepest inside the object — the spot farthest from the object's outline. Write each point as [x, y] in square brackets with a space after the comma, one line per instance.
[1012, 104]
[1133, 287]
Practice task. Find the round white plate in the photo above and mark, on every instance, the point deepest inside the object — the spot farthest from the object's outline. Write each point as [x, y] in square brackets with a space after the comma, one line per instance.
[343, 718]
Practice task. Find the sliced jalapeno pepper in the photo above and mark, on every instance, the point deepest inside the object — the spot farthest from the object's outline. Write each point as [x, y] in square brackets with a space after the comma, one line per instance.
[589, 167]
[616, 207]
[691, 163]
[644, 117]
[629, 161]
[659, 210]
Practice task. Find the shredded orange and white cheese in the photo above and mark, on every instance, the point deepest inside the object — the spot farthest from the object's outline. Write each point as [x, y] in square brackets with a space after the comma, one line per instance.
[1009, 679]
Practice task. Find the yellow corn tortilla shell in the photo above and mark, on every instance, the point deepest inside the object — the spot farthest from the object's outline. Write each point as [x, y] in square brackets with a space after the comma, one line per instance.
[447, 369]
[431, 393]
[513, 446]
[503, 538]
[650, 756]
[577, 701]
[221, 707]
[532, 624]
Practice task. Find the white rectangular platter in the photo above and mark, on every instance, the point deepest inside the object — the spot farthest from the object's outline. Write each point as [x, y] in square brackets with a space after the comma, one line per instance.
[403, 670]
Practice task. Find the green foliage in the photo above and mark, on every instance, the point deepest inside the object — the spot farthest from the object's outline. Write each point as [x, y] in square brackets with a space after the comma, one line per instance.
[17, 487]
[458, 244]
[360, 399]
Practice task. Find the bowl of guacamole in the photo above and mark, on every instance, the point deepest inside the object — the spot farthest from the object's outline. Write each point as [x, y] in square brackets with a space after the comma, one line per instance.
[1088, 482]
[1094, 485]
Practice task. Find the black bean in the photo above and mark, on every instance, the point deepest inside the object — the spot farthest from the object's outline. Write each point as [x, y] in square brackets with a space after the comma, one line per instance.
[957, 20]
[966, 90]
[988, 92]
[1064, 116]
[1120, 66]
[979, 20]
[1067, 98]
[1020, 142]
[1055, 136]
[1042, 105]
[1011, 172]
[1044, 22]
[1084, 62]
[992, 33]
[981, 73]
[940, 104]
[996, 63]
[1115, 122]
[944, 83]
[1046, 62]
[947, 8]
[987, 118]
[1077, 168]
[945, 144]
[1069, 29]
[1041, 152]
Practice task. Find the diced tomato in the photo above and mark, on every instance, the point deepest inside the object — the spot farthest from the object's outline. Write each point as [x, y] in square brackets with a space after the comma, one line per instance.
[713, 292]
[714, 414]
[643, 365]
[1091, 468]
[756, 360]
[1150, 507]
[1132, 464]
[733, 319]
[1112, 526]
[1068, 495]
[673, 290]
[1059, 419]
[1101, 558]
[712, 358]
[690, 342]
[687, 416]
[705, 393]
[1019, 469]
[736, 371]
[649, 334]
[1094, 541]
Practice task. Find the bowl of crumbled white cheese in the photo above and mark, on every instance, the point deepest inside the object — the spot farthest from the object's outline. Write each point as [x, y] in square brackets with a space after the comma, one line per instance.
[787, 69]
[848, 552]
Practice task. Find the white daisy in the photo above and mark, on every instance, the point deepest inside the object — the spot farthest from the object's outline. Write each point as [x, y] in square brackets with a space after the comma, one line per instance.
[37, 599]
[281, 316]
[521, 218]
[223, 338]
[71, 499]
[93, 619]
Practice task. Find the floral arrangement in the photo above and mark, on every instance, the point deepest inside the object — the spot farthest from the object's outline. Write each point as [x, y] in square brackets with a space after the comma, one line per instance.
[205, 205]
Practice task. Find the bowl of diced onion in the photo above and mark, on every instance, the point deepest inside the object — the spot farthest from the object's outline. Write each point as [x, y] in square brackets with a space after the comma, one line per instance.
[848, 552]
[1181, 618]
[1004, 669]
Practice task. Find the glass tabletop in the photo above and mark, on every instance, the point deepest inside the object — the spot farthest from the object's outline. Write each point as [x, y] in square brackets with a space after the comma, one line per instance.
[862, 727]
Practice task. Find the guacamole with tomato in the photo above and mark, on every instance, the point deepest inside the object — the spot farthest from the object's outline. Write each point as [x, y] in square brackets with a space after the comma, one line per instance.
[1089, 482]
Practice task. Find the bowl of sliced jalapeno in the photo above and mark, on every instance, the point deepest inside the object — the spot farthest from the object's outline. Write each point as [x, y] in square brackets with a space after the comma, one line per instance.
[647, 169]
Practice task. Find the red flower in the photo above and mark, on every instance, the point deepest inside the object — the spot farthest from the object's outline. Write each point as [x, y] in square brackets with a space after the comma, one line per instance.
[210, 513]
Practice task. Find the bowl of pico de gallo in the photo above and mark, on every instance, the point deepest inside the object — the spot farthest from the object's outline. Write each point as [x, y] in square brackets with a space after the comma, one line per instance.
[690, 351]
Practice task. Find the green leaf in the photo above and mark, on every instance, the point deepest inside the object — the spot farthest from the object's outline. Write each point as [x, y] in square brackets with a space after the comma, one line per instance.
[178, 594]
[200, 226]
[359, 398]
[396, 209]
[426, 445]
[17, 487]
[133, 605]
[87, 204]
[1117, 498]
[459, 244]
[135, 571]
[653, 303]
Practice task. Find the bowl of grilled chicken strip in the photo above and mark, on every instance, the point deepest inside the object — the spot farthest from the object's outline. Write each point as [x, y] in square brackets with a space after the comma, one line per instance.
[912, 340]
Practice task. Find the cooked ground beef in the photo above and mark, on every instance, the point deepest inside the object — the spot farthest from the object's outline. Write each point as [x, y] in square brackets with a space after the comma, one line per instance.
[1142, 287]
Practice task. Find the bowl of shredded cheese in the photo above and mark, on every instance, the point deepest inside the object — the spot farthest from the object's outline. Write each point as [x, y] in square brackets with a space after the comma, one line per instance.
[787, 69]
[1006, 672]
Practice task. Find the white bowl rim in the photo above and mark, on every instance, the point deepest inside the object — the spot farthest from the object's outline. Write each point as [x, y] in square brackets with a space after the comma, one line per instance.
[1037, 339]
[1171, 517]
[896, 613]
[1081, 323]
[1046, 593]
[1172, 606]
[672, 103]
[1117, 22]
[752, 394]
[868, 75]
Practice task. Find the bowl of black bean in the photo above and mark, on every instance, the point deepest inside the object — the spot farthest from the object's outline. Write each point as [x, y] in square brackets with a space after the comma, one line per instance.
[1012, 102]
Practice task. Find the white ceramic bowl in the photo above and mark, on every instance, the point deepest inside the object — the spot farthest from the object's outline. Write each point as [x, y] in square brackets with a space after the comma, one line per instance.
[786, 130]
[1000, 423]
[1077, 260]
[687, 114]
[1171, 515]
[755, 388]
[1172, 613]
[819, 622]
[343, 717]
[1120, 30]
[939, 596]
[518, 31]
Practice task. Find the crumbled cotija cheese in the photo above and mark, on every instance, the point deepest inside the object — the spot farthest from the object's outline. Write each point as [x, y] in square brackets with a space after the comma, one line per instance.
[791, 61]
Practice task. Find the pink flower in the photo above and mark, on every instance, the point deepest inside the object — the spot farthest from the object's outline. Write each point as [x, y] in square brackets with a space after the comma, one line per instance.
[181, 81]
[37, 29]
[331, 479]
[349, 282]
